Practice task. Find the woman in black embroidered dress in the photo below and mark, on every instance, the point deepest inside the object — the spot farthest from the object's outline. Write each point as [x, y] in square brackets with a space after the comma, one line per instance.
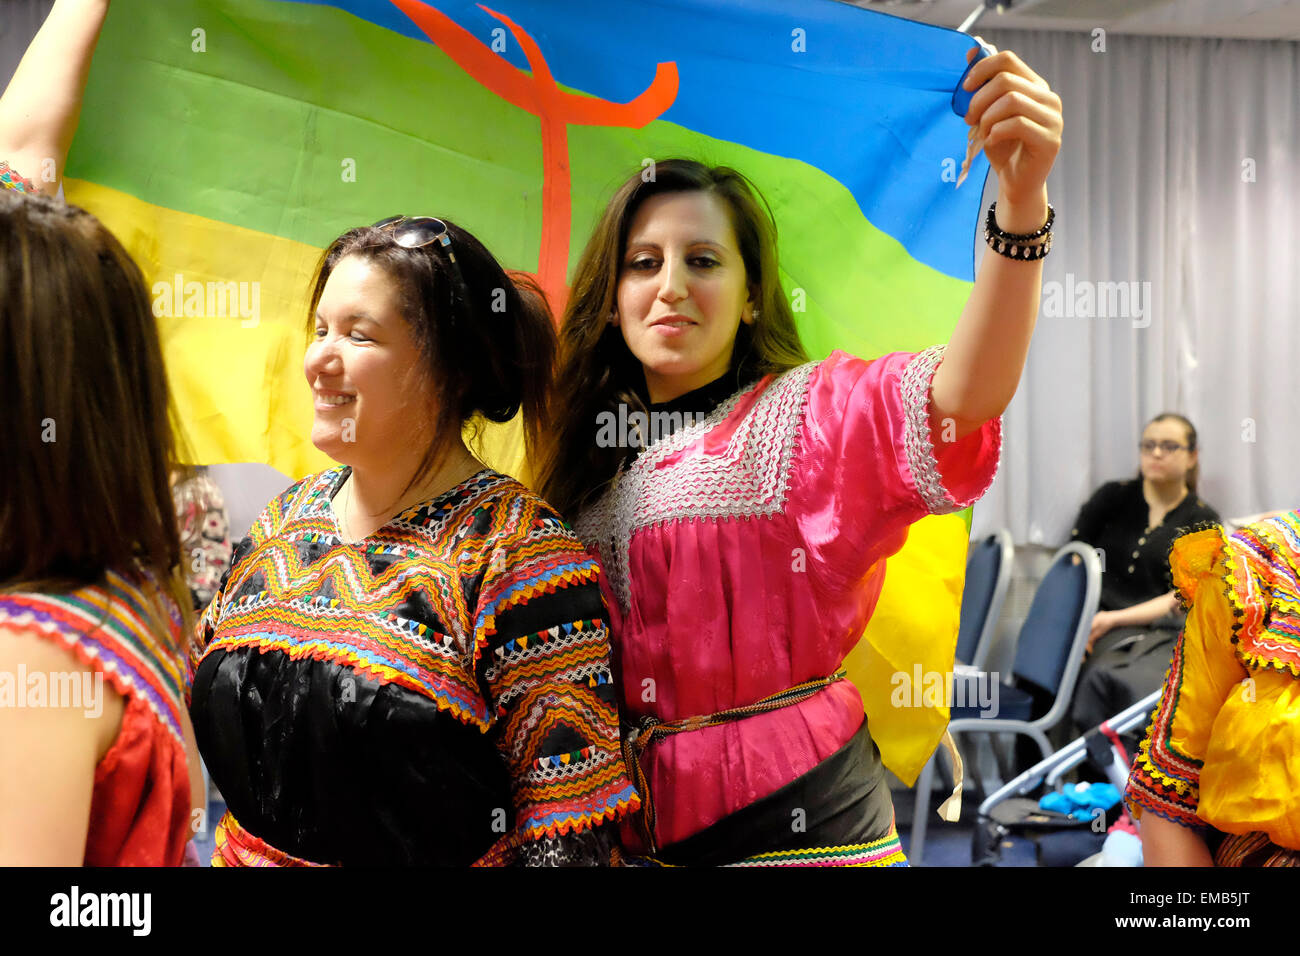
[407, 662]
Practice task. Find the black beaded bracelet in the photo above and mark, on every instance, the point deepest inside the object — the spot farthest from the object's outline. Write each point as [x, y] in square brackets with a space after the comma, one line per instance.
[1025, 247]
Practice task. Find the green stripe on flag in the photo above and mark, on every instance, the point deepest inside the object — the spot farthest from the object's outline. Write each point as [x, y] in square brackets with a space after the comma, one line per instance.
[256, 131]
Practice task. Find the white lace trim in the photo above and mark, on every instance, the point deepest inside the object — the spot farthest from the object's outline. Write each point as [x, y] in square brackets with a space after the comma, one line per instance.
[749, 479]
[915, 389]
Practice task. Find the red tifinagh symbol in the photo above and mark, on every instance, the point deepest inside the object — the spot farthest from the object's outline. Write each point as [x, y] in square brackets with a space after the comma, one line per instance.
[538, 94]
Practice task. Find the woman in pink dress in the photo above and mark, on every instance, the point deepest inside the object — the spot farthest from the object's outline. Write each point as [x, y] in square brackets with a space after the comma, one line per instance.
[743, 500]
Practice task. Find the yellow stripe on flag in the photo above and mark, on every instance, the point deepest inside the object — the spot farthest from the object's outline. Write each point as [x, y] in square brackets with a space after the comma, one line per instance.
[915, 623]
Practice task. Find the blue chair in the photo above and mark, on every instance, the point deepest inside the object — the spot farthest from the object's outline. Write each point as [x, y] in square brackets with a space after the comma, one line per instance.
[1049, 653]
[988, 575]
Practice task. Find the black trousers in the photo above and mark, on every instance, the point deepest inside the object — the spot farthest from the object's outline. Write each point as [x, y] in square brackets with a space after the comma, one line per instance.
[1126, 665]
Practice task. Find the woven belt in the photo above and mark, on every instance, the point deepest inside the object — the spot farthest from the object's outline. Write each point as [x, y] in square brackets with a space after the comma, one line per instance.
[650, 729]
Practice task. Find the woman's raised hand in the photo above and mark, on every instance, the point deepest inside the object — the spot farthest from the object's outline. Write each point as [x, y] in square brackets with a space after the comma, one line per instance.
[1016, 118]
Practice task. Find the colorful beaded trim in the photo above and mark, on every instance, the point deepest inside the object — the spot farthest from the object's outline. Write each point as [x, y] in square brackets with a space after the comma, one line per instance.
[9, 179]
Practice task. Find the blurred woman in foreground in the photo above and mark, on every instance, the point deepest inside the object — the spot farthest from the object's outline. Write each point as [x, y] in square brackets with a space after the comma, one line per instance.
[97, 759]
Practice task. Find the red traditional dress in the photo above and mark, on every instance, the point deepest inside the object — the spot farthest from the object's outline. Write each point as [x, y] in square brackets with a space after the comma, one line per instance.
[140, 809]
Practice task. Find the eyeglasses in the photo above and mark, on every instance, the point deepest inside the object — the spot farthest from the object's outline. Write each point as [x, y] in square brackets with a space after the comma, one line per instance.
[416, 232]
[1168, 447]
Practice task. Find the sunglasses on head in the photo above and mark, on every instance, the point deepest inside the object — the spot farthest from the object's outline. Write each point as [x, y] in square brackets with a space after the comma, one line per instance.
[413, 232]
[416, 232]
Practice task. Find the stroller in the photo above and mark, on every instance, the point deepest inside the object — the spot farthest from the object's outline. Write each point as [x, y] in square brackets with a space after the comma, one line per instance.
[1008, 810]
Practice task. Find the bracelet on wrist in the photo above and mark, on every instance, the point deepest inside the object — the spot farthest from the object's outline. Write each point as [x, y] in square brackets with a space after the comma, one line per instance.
[1025, 247]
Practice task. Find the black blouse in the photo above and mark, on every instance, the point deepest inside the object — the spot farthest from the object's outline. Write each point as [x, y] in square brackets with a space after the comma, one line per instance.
[690, 408]
[1135, 558]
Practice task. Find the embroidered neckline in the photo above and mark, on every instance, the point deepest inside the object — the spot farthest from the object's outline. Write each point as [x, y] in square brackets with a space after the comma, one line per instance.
[749, 478]
[320, 500]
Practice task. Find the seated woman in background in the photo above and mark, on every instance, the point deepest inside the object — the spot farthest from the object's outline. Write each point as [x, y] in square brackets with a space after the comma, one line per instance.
[408, 662]
[1134, 524]
[97, 759]
[1214, 783]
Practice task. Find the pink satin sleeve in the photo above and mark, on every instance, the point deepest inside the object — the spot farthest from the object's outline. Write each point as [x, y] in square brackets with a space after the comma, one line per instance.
[867, 467]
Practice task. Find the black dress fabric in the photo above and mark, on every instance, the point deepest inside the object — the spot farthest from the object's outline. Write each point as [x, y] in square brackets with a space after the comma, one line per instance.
[843, 801]
[377, 782]
[1136, 558]
[691, 407]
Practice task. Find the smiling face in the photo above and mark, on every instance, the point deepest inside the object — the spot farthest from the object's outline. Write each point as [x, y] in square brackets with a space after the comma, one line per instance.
[1166, 466]
[363, 366]
[682, 291]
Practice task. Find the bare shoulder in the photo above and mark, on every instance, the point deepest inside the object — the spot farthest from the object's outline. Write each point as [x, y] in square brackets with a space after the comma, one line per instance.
[56, 721]
[46, 688]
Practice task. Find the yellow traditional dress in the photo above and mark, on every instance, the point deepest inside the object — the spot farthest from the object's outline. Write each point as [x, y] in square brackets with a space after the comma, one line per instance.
[1223, 748]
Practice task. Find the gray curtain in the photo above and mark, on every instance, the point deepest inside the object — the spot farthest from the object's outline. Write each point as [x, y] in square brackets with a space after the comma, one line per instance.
[1178, 176]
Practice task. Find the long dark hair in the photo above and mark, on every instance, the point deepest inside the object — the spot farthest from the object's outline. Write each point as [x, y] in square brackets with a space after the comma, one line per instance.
[87, 434]
[597, 370]
[1194, 472]
[487, 350]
